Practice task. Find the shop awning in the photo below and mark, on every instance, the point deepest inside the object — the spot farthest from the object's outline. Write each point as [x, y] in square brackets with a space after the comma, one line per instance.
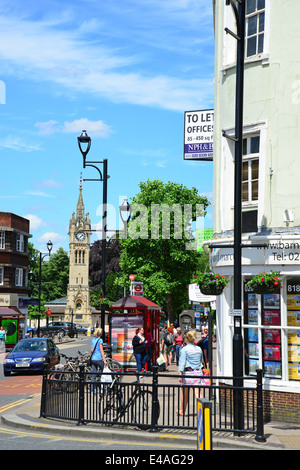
[6, 311]
[131, 301]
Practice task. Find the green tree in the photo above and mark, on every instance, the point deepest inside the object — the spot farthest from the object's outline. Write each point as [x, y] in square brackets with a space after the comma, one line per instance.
[156, 248]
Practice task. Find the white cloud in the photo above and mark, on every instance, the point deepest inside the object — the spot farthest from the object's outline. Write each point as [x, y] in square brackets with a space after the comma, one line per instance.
[35, 222]
[39, 194]
[44, 51]
[15, 143]
[53, 236]
[94, 128]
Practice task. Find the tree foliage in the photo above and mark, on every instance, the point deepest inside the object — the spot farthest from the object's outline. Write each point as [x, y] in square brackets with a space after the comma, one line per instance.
[158, 254]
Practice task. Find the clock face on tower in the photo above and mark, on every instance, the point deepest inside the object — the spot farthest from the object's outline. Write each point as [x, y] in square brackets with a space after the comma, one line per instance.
[80, 236]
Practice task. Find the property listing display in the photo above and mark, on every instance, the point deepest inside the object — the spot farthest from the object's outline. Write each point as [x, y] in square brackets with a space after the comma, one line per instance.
[122, 331]
[293, 320]
[262, 315]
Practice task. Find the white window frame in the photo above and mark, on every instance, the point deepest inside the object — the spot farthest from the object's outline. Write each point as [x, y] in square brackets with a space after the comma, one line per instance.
[20, 242]
[19, 277]
[2, 240]
[230, 43]
[250, 158]
[255, 15]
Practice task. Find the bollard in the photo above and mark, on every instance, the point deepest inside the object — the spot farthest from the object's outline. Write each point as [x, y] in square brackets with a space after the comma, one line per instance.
[204, 428]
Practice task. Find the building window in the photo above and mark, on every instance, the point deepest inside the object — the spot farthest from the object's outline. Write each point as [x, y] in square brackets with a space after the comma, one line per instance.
[255, 27]
[1, 276]
[20, 242]
[2, 240]
[19, 277]
[250, 168]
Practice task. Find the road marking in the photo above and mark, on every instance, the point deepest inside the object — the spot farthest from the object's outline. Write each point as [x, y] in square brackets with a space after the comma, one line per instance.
[15, 403]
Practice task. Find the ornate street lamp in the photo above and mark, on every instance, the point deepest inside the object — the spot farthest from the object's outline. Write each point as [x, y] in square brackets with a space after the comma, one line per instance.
[42, 256]
[84, 143]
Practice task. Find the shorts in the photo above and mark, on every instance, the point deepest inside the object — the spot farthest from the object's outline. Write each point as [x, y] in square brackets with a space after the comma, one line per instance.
[192, 373]
[166, 349]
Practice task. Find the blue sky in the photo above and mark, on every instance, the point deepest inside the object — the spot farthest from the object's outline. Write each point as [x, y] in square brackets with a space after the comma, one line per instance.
[124, 70]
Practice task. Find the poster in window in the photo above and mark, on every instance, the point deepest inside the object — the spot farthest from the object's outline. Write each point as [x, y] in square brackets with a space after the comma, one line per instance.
[294, 353]
[272, 317]
[272, 369]
[253, 366]
[253, 350]
[293, 318]
[253, 335]
[272, 336]
[253, 317]
[272, 352]
[293, 301]
[293, 336]
[294, 371]
[271, 300]
[253, 300]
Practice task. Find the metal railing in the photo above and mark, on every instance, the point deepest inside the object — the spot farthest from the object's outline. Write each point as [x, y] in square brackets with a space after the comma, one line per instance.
[150, 401]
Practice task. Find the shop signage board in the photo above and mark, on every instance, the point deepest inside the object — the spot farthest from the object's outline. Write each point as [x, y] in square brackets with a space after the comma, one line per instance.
[276, 253]
[198, 135]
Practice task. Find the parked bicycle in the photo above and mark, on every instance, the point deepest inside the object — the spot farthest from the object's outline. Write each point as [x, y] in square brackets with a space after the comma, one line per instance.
[130, 403]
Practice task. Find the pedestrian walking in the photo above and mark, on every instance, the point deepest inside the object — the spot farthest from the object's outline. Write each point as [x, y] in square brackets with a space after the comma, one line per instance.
[149, 348]
[98, 359]
[178, 344]
[139, 348]
[2, 339]
[190, 368]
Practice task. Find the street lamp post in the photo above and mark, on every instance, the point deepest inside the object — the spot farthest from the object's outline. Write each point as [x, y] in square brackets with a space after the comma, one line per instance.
[84, 144]
[42, 256]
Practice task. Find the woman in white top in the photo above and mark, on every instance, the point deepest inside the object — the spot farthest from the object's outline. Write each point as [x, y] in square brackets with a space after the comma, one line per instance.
[190, 367]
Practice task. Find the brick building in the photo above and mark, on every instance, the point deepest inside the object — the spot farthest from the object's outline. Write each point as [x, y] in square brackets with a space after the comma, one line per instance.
[14, 235]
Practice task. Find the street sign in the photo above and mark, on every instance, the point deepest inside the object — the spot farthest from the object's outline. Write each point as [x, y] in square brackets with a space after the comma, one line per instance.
[132, 277]
[137, 288]
[236, 312]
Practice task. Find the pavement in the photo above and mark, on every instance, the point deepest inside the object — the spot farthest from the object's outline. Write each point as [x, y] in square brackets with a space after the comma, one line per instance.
[26, 416]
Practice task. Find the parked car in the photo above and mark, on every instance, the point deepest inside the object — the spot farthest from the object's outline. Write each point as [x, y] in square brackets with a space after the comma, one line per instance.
[30, 354]
[56, 326]
[81, 328]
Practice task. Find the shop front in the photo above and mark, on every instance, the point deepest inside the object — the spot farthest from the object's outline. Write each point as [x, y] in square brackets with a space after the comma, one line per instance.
[270, 322]
[13, 323]
[125, 316]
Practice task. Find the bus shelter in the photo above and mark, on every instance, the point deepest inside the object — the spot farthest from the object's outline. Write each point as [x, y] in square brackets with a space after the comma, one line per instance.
[13, 323]
[125, 316]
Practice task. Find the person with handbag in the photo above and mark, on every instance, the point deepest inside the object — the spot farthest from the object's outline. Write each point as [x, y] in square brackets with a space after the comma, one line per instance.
[139, 348]
[191, 362]
[98, 359]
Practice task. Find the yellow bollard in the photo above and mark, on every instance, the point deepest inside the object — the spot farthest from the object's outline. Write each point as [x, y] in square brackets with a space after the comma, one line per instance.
[204, 433]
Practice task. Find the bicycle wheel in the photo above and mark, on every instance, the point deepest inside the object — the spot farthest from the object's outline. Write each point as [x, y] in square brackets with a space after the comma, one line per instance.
[111, 404]
[141, 409]
[115, 366]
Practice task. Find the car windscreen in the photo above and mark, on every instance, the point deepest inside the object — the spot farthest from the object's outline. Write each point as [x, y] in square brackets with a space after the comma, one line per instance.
[30, 346]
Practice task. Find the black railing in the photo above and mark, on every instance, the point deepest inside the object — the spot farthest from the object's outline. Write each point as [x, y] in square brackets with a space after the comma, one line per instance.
[149, 401]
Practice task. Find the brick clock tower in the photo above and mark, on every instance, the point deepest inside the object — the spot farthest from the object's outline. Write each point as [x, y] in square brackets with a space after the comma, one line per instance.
[78, 296]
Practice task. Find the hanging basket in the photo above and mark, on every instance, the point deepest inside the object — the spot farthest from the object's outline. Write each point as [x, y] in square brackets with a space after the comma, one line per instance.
[211, 289]
[265, 289]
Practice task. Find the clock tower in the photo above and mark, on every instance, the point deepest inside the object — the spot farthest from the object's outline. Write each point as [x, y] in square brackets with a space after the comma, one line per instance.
[78, 296]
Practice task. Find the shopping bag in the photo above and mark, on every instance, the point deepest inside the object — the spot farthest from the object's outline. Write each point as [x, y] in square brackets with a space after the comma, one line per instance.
[106, 376]
[160, 360]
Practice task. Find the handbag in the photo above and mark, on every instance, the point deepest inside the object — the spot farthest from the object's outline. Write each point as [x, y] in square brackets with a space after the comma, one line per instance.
[106, 376]
[89, 361]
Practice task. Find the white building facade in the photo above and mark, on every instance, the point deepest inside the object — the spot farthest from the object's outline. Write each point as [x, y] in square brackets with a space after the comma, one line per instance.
[270, 191]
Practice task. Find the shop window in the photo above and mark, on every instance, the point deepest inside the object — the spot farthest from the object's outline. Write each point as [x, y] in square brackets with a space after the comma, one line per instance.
[262, 338]
[293, 328]
[1, 276]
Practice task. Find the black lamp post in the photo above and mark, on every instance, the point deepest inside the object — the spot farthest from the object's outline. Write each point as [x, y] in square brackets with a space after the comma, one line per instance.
[42, 256]
[84, 143]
